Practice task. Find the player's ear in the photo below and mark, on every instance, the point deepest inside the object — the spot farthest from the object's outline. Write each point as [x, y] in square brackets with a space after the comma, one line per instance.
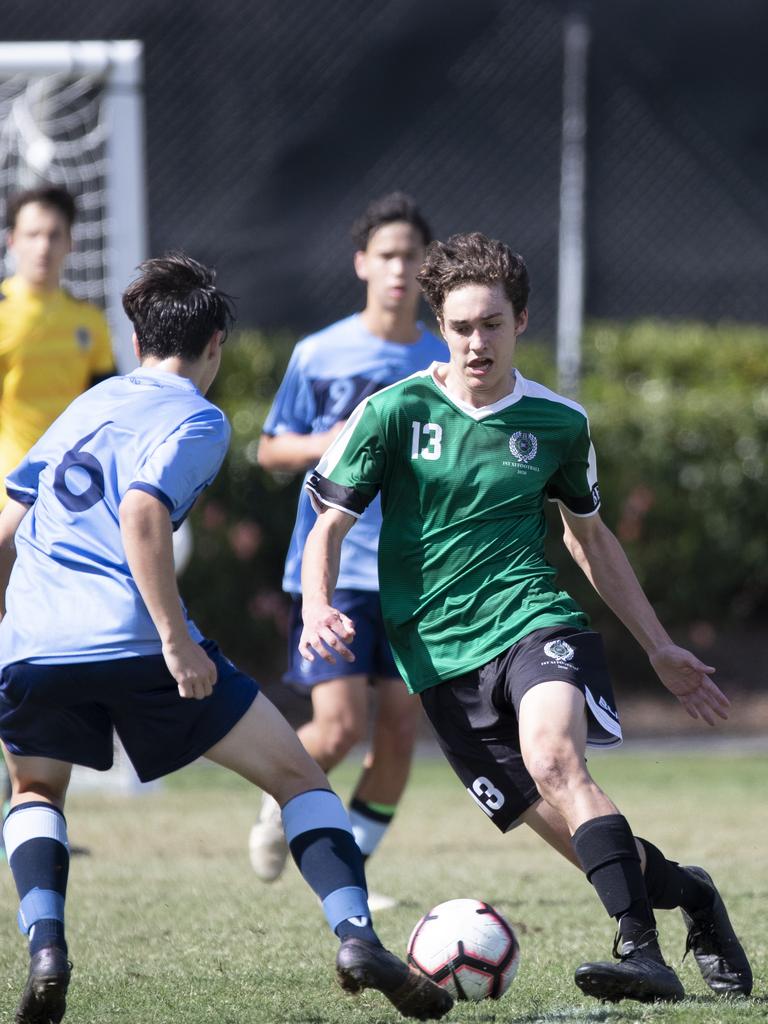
[135, 344]
[214, 345]
[521, 322]
[361, 265]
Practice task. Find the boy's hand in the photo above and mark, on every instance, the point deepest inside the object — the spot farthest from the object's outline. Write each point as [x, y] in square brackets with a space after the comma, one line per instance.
[326, 633]
[688, 679]
[190, 666]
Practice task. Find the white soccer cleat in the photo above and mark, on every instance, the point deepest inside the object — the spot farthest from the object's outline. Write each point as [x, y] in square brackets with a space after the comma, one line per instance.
[267, 845]
[377, 902]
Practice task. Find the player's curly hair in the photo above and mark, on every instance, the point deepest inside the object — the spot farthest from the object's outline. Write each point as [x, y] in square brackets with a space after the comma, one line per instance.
[175, 307]
[394, 207]
[472, 259]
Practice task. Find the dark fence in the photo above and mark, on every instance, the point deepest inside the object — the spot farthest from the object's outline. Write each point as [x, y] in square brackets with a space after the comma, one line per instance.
[270, 124]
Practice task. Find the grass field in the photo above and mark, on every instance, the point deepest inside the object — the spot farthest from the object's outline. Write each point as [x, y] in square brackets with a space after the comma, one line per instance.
[167, 924]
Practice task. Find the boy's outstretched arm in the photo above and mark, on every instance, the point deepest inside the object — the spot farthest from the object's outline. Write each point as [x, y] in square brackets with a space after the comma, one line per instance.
[601, 557]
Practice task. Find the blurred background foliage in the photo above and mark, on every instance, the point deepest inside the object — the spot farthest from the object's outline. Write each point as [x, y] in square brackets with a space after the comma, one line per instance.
[679, 418]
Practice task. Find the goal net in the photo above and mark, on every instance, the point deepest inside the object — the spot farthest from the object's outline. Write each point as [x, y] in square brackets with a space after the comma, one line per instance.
[71, 114]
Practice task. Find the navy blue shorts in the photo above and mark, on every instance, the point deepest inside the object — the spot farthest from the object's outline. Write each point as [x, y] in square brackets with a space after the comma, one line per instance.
[373, 655]
[68, 711]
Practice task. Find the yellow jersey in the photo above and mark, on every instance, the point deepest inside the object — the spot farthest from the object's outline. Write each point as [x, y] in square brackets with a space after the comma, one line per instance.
[51, 347]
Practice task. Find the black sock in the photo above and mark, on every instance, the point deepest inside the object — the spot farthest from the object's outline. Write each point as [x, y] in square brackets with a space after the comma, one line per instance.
[606, 850]
[671, 886]
[357, 928]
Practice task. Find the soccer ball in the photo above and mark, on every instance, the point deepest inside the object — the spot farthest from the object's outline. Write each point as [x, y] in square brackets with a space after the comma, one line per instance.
[466, 947]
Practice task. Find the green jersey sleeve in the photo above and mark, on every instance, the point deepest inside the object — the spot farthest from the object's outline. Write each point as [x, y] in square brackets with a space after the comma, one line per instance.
[350, 474]
[574, 483]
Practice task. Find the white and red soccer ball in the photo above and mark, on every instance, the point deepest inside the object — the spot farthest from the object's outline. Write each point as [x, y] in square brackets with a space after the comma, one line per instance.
[466, 947]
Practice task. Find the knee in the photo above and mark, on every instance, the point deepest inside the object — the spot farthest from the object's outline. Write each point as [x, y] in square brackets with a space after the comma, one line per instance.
[554, 773]
[339, 736]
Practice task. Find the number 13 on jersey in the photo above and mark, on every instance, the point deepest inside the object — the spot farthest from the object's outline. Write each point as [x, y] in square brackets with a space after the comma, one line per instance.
[433, 433]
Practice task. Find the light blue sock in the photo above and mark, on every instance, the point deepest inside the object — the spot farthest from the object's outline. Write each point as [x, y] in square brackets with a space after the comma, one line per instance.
[321, 842]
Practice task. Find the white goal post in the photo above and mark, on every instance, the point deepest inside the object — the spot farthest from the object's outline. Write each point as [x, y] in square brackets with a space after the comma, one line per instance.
[72, 113]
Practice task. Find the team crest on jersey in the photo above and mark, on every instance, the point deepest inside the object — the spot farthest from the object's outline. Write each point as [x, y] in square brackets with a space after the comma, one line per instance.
[83, 338]
[559, 650]
[523, 445]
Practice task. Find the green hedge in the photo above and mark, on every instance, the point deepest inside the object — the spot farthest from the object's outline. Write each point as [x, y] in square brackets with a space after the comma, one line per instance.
[679, 417]
[680, 420]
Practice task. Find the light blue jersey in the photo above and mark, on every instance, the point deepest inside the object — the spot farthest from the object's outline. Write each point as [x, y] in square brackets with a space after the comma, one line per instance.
[71, 595]
[329, 374]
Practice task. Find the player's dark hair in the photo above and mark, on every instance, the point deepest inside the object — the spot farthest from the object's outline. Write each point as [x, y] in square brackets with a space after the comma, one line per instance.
[175, 307]
[394, 207]
[47, 195]
[473, 259]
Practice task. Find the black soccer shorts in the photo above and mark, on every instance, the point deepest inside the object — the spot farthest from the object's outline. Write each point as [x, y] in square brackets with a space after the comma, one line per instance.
[475, 714]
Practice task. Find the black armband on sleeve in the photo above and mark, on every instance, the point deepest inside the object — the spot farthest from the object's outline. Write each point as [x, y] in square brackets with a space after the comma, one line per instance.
[581, 504]
[346, 499]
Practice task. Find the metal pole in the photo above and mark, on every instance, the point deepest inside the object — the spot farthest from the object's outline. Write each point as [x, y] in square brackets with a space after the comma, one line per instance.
[126, 187]
[573, 177]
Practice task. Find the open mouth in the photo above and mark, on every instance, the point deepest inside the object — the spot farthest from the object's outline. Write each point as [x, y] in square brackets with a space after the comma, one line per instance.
[479, 366]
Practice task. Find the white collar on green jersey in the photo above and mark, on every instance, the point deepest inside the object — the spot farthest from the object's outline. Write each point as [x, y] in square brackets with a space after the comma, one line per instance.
[517, 392]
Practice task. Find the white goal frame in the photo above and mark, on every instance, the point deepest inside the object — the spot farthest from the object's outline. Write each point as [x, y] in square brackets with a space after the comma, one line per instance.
[120, 64]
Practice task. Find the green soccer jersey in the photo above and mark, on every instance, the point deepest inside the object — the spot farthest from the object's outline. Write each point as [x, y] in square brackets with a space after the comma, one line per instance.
[462, 571]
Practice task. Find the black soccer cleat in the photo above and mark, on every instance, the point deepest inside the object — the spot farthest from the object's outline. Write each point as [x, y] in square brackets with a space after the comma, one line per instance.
[641, 973]
[361, 965]
[44, 998]
[717, 951]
